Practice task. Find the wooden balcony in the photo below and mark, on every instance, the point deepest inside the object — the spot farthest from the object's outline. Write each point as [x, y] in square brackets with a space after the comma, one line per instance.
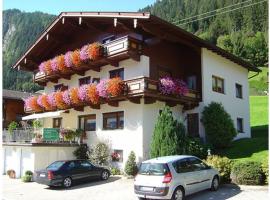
[114, 51]
[148, 89]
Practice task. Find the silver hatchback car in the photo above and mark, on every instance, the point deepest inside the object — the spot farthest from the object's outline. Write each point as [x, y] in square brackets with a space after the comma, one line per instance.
[174, 177]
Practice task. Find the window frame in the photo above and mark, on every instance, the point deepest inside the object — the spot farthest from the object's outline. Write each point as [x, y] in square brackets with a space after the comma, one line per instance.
[83, 79]
[117, 114]
[118, 72]
[85, 117]
[60, 121]
[58, 87]
[216, 79]
[242, 125]
[237, 86]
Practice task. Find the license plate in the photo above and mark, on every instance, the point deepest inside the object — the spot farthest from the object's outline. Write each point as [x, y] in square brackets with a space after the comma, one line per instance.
[147, 188]
[42, 175]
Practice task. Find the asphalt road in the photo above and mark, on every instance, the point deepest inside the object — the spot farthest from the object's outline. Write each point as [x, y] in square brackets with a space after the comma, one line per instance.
[116, 188]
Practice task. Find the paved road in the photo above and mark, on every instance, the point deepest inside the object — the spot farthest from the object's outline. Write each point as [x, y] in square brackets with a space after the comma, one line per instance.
[115, 188]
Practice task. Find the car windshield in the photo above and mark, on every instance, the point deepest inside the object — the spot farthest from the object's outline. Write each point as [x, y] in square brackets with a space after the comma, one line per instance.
[157, 169]
[56, 165]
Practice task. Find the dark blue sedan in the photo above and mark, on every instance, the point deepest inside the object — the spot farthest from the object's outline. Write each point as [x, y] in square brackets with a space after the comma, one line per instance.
[65, 173]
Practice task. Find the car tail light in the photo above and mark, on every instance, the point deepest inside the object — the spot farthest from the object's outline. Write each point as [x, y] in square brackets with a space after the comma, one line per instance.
[50, 175]
[167, 178]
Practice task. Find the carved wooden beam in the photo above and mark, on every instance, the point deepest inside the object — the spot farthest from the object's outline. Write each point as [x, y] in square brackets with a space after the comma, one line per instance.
[149, 100]
[79, 108]
[97, 107]
[113, 103]
[136, 100]
[171, 103]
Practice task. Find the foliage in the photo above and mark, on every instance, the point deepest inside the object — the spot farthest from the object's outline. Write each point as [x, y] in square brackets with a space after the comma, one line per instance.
[81, 152]
[222, 164]
[100, 154]
[36, 124]
[218, 125]
[169, 85]
[258, 110]
[27, 178]
[67, 134]
[28, 172]
[12, 126]
[247, 173]
[193, 146]
[168, 137]
[258, 83]
[265, 169]
[115, 171]
[131, 168]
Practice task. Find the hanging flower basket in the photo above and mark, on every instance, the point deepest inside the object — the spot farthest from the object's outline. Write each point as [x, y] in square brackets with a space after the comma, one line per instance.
[92, 94]
[115, 87]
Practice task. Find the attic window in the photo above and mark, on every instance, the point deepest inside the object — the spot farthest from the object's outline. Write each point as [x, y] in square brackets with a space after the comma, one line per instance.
[108, 39]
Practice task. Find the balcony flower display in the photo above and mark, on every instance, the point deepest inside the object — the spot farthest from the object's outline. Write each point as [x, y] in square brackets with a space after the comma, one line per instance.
[73, 93]
[92, 94]
[45, 102]
[51, 100]
[61, 63]
[68, 59]
[94, 51]
[66, 97]
[32, 103]
[54, 66]
[115, 156]
[84, 53]
[115, 86]
[102, 88]
[172, 86]
[82, 92]
[48, 67]
[75, 56]
[59, 100]
[67, 134]
[41, 67]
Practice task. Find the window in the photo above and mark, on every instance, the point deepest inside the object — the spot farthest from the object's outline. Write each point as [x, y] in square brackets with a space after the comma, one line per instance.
[197, 164]
[182, 166]
[218, 84]
[58, 87]
[192, 82]
[95, 80]
[113, 120]
[85, 165]
[85, 80]
[57, 122]
[238, 90]
[155, 169]
[87, 122]
[117, 73]
[240, 127]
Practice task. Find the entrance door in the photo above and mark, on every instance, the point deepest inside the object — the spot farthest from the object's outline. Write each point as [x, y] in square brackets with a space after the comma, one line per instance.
[193, 124]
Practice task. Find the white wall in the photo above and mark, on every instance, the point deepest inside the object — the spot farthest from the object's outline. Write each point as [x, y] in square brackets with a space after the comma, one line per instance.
[232, 73]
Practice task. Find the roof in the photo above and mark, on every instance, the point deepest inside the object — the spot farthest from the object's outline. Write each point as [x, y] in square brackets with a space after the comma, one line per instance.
[146, 22]
[167, 159]
[12, 94]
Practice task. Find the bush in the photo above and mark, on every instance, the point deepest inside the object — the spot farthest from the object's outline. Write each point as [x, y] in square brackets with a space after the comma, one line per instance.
[265, 170]
[27, 178]
[218, 125]
[11, 173]
[131, 168]
[193, 146]
[100, 154]
[168, 137]
[223, 165]
[115, 171]
[81, 152]
[12, 126]
[247, 173]
[28, 172]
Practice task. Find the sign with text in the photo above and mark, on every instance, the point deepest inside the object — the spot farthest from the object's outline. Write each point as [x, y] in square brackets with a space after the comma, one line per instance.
[51, 134]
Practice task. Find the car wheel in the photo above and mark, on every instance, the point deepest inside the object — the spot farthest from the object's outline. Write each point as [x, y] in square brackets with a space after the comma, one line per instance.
[215, 184]
[67, 182]
[105, 175]
[178, 194]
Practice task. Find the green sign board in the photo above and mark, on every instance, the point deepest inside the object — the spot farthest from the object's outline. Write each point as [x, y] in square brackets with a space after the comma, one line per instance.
[51, 134]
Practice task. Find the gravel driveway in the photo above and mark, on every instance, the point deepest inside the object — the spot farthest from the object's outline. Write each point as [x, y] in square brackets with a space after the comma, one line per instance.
[116, 188]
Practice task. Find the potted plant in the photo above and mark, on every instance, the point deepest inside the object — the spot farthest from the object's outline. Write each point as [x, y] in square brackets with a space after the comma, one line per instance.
[11, 173]
[37, 131]
[79, 134]
[67, 134]
[115, 157]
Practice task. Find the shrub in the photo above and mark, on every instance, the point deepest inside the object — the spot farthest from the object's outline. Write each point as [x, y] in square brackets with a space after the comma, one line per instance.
[218, 125]
[100, 154]
[168, 137]
[265, 170]
[11, 173]
[12, 126]
[28, 172]
[131, 168]
[115, 171]
[27, 178]
[223, 165]
[193, 146]
[247, 173]
[81, 152]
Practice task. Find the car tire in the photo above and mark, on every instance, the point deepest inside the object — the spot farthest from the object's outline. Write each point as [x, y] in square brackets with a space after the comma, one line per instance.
[105, 175]
[215, 183]
[178, 194]
[67, 182]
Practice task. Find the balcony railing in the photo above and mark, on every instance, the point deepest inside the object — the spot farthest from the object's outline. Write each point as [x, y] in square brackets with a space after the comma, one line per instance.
[114, 51]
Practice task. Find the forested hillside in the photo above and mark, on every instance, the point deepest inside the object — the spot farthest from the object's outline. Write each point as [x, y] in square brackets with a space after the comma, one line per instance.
[20, 30]
[243, 31]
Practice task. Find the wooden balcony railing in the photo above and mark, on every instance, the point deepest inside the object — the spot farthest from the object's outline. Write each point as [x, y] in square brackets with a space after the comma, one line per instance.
[114, 51]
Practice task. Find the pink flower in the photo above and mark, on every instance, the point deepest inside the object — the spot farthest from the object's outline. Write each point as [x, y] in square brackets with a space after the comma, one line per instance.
[172, 86]
[83, 53]
[66, 97]
[39, 101]
[42, 67]
[102, 88]
[27, 102]
[54, 64]
[82, 93]
[68, 59]
[51, 100]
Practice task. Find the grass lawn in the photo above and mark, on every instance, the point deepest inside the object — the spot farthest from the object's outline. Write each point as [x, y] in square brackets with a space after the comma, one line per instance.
[255, 148]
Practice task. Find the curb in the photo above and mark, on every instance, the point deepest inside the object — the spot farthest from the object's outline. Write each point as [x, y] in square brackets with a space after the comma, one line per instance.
[246, 187]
